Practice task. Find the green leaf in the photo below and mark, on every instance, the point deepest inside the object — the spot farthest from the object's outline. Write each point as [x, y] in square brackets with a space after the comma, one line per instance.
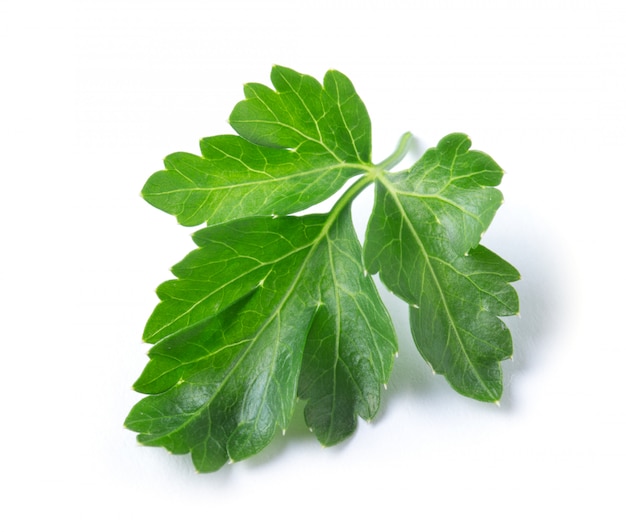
[272, 307]
[422, 238]
[226, 375]
[296, 147]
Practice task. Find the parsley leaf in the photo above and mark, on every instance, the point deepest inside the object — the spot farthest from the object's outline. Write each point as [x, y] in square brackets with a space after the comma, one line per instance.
[225, 377]
[273, 307]
[423, 238]
[296, 147]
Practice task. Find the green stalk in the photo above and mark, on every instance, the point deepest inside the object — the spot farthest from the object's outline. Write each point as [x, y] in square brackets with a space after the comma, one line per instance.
[371, 174]
[355, 189]
[400, 152]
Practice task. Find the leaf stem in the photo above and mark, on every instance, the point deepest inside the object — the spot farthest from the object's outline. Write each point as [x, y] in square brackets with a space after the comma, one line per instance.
[372, 173]
[400, 152]
[355, 189]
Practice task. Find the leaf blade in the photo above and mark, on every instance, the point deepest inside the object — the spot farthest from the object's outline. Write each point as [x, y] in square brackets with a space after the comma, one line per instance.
[297, 145]
[237, 371]
[421, 238]
[351, 345]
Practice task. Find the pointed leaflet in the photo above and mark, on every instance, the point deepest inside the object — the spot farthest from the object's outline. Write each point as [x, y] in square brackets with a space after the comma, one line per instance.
[296, 147]
[423, 238]
[351, 344]
[225, 372]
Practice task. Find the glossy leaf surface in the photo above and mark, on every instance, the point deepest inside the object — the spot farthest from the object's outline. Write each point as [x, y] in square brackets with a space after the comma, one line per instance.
[263, 297]
[423, 239]
[297, 145]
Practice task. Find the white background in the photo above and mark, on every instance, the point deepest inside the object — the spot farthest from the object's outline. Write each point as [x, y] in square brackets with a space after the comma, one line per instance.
[96, 93]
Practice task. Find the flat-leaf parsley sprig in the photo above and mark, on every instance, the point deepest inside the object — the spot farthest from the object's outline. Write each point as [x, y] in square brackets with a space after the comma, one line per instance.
[273, 307]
